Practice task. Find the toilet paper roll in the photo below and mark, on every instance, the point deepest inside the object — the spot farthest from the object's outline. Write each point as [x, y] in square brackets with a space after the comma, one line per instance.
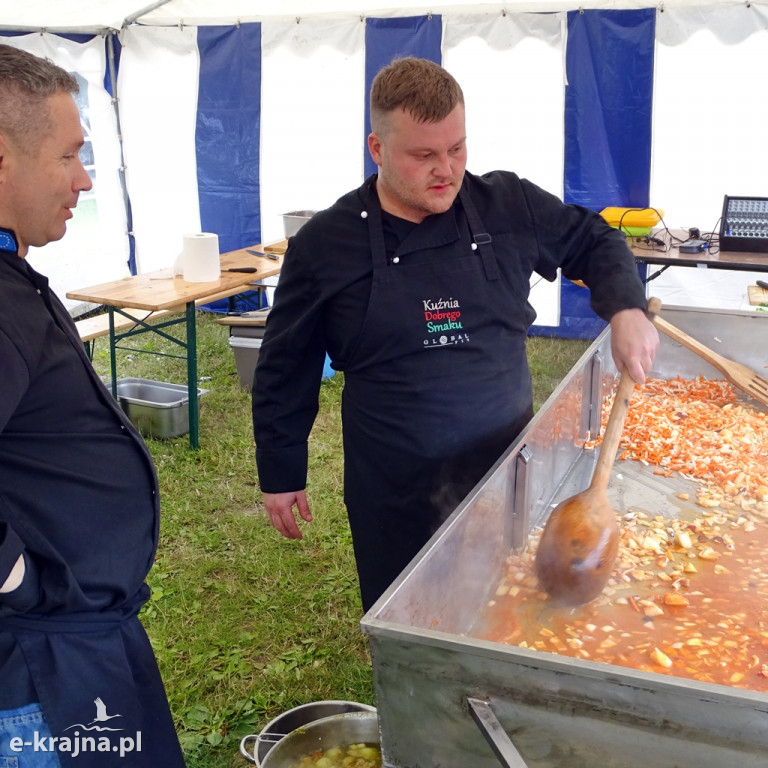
[200, 261]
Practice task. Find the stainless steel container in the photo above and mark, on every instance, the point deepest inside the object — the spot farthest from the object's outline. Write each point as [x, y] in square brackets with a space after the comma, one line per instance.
[294, 719]
[156, 408]
[334, 731]
[480, 704]
[295, 220]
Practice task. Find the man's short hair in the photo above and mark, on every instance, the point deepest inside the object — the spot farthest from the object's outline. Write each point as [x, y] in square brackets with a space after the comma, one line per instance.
[26, 83]
[419, 86]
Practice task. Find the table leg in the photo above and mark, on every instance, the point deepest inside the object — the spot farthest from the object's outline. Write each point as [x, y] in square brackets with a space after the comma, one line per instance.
[112, 357]
[194, 414]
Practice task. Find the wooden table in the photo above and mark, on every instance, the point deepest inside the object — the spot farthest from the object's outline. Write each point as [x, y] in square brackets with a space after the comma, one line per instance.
[159, 292]
[668, 254]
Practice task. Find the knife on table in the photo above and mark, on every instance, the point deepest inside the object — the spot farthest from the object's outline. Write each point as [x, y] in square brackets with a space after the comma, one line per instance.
[272, 256]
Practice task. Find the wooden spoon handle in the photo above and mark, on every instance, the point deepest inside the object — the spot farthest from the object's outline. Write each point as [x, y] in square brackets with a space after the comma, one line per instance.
[612, 433]
[720, 362]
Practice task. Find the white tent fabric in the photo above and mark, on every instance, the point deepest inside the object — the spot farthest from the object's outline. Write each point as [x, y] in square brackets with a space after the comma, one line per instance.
[158, 96]
[707, 136]
[707, 139]
[312, 82]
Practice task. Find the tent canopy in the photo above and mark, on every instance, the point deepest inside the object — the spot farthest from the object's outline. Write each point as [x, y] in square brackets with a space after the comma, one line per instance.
[99, 15]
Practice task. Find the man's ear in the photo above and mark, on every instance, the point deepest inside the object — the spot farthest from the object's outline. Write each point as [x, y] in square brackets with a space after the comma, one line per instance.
[4, 149]
[374, 147]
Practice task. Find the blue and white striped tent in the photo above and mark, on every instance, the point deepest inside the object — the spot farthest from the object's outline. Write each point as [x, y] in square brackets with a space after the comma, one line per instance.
[220, 117]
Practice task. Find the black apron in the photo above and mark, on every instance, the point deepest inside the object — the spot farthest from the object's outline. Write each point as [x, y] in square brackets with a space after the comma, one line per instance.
[74, 653]
[75, 659]
[436, 389]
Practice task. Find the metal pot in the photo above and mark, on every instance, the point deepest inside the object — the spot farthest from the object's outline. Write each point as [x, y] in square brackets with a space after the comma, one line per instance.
[277, 728]
[333, 731]
[295, 220]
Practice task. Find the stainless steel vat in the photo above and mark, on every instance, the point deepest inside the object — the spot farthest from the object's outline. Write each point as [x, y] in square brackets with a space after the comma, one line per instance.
[449, 700]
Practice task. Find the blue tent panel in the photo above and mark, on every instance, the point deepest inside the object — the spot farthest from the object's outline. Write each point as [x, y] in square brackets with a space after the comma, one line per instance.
[608, 101]
[227, 136]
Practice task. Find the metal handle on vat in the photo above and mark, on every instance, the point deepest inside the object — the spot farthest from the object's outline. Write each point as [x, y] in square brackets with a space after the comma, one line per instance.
[244, 750]
[258, 739]
[495, 735]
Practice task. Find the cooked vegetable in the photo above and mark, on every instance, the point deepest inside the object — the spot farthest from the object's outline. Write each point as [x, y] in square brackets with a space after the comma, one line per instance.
[351, 756]
[687, 596]
[697, 428]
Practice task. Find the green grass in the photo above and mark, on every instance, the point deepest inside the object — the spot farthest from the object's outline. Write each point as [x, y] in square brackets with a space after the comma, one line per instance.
[247, 624]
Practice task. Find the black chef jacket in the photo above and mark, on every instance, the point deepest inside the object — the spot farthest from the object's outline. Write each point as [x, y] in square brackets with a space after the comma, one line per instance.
[322, 304]
[79, 500]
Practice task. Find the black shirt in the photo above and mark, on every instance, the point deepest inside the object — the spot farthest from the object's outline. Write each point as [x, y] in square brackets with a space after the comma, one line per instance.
[78, 491]
[321, 299]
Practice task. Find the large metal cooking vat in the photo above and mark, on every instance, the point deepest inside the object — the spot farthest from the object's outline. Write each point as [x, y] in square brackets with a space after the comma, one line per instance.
[446, 699]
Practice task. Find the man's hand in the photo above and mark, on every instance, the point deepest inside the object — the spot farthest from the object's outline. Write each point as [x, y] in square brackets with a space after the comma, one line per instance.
[634, 342]
[279, 507]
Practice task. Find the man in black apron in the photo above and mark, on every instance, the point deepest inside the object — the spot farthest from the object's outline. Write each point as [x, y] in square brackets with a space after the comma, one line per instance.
[417, 286]
[79, 507]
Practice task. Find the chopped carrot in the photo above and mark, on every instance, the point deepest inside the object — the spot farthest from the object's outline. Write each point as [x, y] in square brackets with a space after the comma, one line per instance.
[699, 429]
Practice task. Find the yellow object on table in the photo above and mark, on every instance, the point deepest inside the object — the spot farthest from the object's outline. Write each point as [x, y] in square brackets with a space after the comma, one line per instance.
[633, 221]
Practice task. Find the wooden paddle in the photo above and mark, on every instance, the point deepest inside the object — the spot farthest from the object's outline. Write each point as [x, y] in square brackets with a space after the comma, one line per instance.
[739, 375]
[580, 541]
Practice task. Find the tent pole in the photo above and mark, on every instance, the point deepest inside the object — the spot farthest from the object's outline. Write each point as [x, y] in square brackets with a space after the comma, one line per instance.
[151, 7]
[122, 169]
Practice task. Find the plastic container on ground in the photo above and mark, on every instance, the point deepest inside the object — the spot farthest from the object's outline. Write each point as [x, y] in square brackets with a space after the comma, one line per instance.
[246, 350]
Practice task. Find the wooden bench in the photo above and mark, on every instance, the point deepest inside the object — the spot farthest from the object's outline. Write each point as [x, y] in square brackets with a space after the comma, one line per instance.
[91, 328]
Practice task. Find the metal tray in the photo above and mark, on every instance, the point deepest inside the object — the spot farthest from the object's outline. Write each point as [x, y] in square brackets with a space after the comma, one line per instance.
[156, 408]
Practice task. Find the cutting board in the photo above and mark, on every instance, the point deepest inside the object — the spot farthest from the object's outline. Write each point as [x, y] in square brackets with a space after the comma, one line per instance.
[280, 247]
[257, 317]
[757, 295]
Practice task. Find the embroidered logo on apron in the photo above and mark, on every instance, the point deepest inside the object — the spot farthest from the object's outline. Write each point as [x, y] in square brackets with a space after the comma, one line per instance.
[444, 324]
